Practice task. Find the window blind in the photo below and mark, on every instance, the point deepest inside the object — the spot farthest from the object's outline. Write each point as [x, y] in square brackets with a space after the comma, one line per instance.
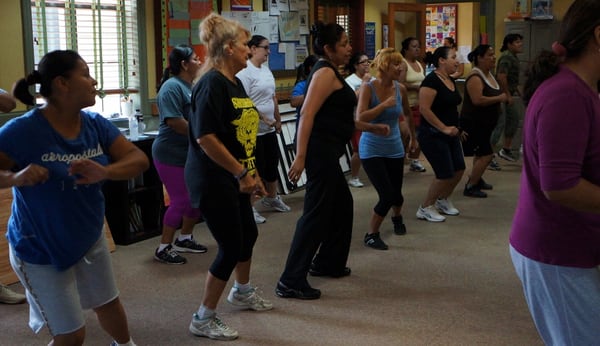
[335, 11]
[103, 32]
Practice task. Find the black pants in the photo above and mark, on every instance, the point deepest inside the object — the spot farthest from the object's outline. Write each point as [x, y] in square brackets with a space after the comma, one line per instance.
[326, 220]
[386, 174]
[229, 217]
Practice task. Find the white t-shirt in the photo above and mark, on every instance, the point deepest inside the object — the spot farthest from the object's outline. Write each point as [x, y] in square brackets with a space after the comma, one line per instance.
[259, 84]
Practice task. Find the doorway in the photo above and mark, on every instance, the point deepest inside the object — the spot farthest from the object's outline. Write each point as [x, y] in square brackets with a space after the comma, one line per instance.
[409, 18]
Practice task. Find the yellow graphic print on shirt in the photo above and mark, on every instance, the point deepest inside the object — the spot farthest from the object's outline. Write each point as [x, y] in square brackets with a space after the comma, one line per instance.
[246, 130]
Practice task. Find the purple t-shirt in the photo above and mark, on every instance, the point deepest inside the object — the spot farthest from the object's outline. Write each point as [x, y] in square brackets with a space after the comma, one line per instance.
[561, 145]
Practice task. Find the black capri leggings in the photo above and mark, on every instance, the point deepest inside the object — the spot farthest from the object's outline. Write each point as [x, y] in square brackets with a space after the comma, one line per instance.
[386, 174]
[228, 215]
[267, 156]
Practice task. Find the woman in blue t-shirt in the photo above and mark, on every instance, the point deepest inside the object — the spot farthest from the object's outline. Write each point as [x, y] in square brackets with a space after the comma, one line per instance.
[56, 158]
[299, 91]
[169, 152]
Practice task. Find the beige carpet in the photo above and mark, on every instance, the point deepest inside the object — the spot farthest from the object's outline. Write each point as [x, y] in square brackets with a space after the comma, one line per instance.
[441, 284]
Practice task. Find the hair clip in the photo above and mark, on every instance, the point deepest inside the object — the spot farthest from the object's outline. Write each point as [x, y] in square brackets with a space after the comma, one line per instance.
[559, 49]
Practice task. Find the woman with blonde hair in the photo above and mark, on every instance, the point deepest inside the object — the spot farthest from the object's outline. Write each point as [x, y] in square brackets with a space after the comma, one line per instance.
[220, 172]
[382, 156]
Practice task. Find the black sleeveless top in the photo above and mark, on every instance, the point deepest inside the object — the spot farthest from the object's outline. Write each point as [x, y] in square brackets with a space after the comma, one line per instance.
[334, 121]
[484, 115]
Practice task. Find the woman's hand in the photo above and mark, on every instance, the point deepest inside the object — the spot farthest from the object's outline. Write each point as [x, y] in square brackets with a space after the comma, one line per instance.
[296, 169]
[451, 131]
[87, 171]
[413, 145]
[380, 129]
[31, 175]
[389, 102]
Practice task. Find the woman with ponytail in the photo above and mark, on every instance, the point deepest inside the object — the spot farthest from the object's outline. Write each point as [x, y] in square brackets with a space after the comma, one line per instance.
[555, 236]
[169, 152]
[221, 174]
[325, 127]
[56, 157]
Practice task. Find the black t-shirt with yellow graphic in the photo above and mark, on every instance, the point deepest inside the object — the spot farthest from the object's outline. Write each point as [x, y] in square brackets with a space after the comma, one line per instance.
[222, 108]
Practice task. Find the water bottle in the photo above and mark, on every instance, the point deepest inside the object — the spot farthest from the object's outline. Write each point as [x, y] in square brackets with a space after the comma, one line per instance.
[429, 68]
[133, 128]
[140, 119]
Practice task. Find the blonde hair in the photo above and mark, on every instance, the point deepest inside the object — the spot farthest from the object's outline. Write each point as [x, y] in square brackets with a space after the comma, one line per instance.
[216, 33]
[384, 58]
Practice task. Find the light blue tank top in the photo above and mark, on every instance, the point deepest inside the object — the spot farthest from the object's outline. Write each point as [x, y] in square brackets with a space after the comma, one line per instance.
[372, 145]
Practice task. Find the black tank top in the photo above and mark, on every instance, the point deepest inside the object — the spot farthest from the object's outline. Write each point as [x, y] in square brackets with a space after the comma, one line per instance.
[487, 115]
[334, 121]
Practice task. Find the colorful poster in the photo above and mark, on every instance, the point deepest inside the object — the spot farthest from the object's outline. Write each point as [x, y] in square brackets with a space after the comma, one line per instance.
[440, 22]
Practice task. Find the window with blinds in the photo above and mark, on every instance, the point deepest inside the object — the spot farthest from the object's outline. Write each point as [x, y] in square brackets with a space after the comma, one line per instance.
[103, 32]
[335, 11]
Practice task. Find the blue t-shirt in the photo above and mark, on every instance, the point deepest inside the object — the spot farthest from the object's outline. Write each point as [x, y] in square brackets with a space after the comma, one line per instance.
[55, 222]
[299, 90]
[174, 101]
[372, 145]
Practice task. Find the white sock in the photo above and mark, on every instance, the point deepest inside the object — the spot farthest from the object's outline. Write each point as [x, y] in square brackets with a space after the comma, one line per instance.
[205, 313]
[162, 247]
[242, 288]
[183, 237]
[128, 343]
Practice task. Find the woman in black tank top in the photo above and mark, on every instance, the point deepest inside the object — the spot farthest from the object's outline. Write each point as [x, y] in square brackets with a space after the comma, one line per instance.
[479, 115]
[325, 127]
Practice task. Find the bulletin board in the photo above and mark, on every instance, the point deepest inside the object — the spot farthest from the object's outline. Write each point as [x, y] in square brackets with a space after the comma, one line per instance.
[440, 22]
[180, 21]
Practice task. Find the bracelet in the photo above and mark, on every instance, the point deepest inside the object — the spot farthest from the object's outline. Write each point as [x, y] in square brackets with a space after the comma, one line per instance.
[242, 174]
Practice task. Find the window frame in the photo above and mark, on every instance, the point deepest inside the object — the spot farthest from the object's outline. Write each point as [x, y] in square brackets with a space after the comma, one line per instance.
[140, 15]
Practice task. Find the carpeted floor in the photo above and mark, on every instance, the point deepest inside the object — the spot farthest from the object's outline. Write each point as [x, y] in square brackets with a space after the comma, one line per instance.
[441, 284]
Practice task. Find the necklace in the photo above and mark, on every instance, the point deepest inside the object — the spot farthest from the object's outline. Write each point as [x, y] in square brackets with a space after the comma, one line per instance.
[442, 77]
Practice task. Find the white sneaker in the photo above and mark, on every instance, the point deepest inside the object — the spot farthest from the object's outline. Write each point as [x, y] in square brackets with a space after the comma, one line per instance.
[212, 328]
[430, 214]
[355, 182]
[257, 217]
[416, 166]
[250, 300]
[445, 206]
[275, 203]
[7, 296]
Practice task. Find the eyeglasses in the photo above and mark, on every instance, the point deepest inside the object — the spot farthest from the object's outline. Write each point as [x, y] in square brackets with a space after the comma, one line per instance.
[364, 62]
[264, 47]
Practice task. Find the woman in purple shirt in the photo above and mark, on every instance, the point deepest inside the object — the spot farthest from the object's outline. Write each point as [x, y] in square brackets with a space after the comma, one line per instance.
[555, 237]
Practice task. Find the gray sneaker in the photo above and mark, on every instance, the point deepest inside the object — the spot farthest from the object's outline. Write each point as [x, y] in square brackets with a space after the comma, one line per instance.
[7, 296]
[212, 328]
[169, 256]
[507, 154]
[430, 214]
[250, 300]
[275, 203]
[189, 245]
[494, 166]
[257, 217]
[446, 207]
[416, 166]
